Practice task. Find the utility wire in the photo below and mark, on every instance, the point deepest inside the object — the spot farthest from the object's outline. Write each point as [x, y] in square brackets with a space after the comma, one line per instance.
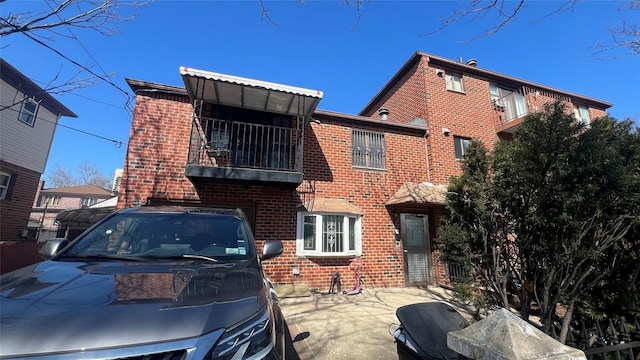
[73, 36]
[116, 142]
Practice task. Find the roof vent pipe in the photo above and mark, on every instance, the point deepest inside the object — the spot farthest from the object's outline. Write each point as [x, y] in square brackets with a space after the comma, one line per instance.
[384, 113]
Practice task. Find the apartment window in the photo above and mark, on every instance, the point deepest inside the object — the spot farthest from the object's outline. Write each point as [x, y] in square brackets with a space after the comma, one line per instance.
[497, 96]
[5, 180]
[368, 149]
[28, 111]
[454, 82]
[88, 201]
[327, 234]
[461, 144]
[582, 114]
[49, 200]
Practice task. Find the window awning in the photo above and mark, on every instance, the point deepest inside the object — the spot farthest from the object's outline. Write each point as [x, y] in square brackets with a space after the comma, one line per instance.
[415, 194]
[331, 206]
[248, 93]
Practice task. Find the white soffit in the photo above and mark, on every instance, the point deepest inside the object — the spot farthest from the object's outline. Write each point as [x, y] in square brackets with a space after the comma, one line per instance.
[249, 93]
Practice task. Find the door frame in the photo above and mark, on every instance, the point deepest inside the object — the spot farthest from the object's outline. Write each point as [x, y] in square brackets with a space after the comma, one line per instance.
[426, 248]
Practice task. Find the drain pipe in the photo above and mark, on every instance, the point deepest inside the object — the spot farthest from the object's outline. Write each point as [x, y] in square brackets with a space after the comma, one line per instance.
[426, 150]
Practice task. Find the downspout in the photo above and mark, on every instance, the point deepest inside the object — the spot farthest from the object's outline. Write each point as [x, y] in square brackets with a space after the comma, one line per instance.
[426, 150]
[426, 117]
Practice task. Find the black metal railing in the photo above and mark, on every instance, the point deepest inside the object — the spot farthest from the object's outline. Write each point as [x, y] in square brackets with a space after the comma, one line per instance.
[456, 272]
[608, 339]
[216, 142]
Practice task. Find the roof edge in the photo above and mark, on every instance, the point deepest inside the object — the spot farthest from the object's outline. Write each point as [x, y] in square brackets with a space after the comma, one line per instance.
[366, 119]
[432, 59]
[146, 86]
[187, 71]
[496, 75]
[394, 80]
[28, 87]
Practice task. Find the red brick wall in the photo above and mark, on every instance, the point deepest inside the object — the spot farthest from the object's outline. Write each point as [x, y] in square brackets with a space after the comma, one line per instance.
[423, 93]
[15, 210]
[156, 158]
[157, 151]
[327, 165]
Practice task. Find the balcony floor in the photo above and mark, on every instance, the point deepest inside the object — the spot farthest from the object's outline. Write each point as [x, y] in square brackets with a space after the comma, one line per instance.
[235, 175]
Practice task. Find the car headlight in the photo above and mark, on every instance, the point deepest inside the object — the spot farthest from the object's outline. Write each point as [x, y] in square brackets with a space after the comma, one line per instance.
[252, 339]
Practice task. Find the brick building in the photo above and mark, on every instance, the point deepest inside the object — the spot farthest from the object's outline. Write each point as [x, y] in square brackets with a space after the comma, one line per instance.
[331, 186]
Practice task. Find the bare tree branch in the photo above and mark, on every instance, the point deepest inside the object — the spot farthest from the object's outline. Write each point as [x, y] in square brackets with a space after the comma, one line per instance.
[44, 26]
[627, 35]
[96, 15]
[357, 4]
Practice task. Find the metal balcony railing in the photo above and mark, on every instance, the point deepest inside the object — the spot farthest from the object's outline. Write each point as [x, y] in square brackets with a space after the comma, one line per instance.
[513, 105]
[222, 143]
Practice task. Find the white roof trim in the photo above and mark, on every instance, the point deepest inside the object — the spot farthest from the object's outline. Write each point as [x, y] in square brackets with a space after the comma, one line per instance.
[249, 93]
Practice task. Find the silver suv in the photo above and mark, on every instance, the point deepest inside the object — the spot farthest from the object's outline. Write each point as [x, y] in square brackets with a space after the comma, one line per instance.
[147, 283]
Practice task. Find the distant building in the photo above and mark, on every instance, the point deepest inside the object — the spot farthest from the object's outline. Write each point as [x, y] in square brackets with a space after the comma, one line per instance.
[50, 202]
[28, 118]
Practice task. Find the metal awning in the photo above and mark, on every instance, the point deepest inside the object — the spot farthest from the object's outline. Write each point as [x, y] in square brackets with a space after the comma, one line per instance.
[331, 206]
[419, 194]
[248, 93]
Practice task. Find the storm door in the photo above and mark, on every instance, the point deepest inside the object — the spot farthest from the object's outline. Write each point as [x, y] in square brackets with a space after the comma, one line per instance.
[414, 231]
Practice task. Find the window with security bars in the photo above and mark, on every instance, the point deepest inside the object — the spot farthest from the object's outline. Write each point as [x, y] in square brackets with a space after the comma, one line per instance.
[321, 234]
[368, 149]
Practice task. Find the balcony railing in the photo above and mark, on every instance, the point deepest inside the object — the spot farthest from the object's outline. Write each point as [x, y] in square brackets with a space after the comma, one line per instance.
[513, 105]
[222, 143]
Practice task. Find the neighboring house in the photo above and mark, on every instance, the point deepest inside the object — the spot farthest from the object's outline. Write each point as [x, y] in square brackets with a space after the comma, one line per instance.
[48, 203]
[331, 186]
[28, 119]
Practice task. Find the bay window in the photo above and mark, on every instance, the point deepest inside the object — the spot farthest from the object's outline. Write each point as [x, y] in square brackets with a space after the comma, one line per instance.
[328, 234]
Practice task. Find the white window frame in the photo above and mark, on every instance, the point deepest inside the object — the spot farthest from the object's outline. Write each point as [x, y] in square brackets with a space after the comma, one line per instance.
[454, 82]
[50, 199]
[26, 115]
[462, 143]
[5, 182]
[582, 114]
[317, 251]
[88, 201]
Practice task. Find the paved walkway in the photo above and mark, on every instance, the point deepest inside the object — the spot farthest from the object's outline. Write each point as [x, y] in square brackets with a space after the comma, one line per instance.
[338, 326]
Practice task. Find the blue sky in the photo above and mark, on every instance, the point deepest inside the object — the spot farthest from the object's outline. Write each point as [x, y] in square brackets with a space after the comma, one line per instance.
[319, 45]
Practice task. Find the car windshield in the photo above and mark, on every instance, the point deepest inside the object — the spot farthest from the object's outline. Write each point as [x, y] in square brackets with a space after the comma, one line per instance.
[165, 235]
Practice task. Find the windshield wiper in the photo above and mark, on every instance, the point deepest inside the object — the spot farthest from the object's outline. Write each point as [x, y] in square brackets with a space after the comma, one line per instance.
[101, 257]
[184, 256]
[202, 257]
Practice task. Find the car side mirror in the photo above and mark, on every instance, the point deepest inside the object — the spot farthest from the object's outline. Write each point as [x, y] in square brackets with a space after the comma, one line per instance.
[52, 247]
[271, 249]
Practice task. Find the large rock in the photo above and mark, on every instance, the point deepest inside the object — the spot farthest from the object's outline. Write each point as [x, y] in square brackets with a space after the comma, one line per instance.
[505, 336]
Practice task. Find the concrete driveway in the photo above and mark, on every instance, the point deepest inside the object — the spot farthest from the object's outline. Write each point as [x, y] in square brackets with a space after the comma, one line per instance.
[337, 326]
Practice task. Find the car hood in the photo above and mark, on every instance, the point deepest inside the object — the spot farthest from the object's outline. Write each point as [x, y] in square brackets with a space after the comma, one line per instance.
[57, 306]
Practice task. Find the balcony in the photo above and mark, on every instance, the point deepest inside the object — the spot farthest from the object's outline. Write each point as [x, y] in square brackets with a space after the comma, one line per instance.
[511, 108]
[244, 152]
[246, 131]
